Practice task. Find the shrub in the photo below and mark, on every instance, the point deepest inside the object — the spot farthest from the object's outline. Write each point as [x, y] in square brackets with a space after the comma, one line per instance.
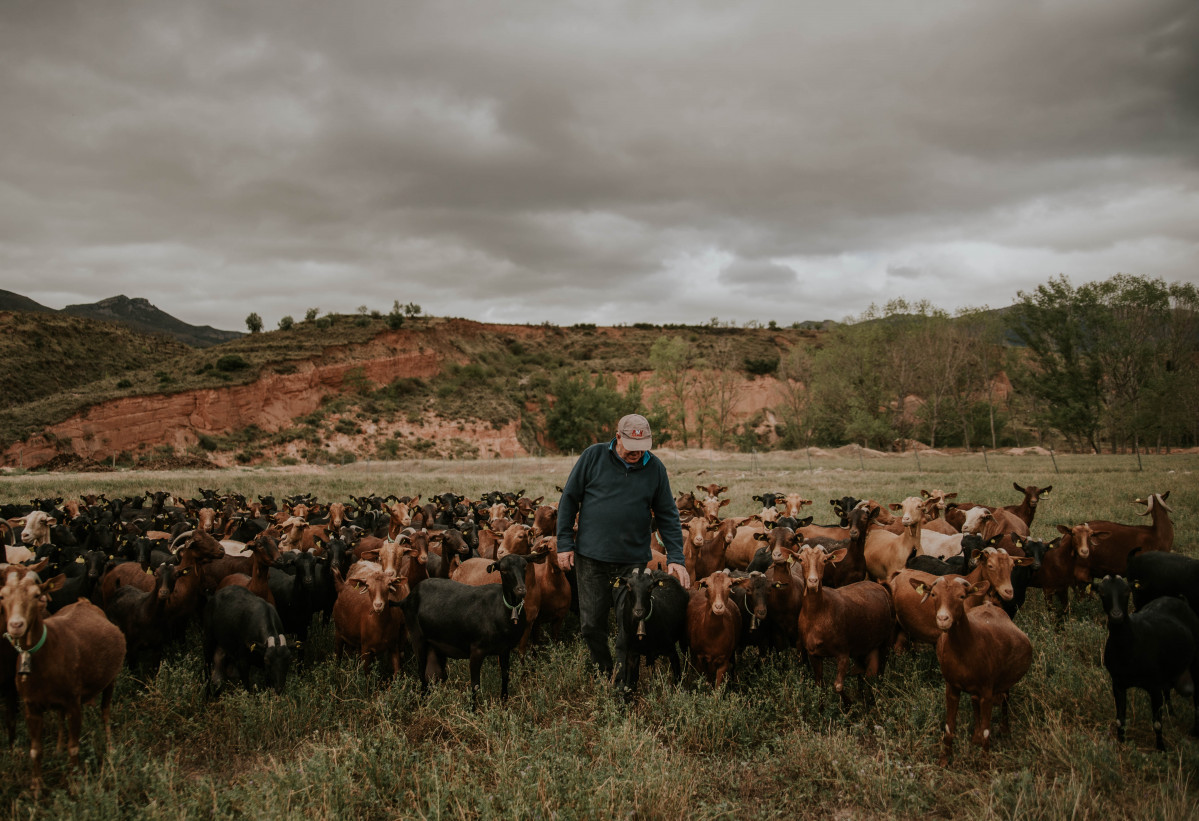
[124, 383]
[286, 322]
[254, 323]
[231, 362]
[761, 367]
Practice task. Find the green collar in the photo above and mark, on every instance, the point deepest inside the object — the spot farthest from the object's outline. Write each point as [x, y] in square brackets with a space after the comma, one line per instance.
[34, 648]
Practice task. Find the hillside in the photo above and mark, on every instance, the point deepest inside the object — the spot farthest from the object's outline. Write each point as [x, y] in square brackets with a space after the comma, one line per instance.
[351, 387]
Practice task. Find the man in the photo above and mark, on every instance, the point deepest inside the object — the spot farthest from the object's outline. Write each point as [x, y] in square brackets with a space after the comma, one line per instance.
[614, 488]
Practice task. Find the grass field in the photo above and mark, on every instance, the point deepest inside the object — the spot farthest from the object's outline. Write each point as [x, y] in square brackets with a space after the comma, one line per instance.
[336, 745]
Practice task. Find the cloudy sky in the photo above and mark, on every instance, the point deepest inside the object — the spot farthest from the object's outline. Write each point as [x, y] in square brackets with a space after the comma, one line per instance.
[592, 162]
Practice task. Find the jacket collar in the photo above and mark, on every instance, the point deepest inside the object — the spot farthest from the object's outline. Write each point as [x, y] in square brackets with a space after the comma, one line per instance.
[644, 458]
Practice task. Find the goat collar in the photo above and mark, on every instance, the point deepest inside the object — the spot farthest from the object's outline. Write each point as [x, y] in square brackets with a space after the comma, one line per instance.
[515, 608]
[641, 623]
[26, 655]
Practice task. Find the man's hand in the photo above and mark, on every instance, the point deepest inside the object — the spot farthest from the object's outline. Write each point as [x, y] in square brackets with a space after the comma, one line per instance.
[677, 570]
[567, 560]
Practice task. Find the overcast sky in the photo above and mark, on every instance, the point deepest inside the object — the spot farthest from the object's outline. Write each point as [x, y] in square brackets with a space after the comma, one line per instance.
[592, 162]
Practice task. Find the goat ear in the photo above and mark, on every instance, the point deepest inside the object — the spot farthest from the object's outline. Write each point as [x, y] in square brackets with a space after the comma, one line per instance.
[1018, 488]
[494, 566]
[924, 494]
[762, 537]
[1018, 542]
[1063, 529]
[974, 554]
[994, 540]
[805, 521]
[724, 502]
[1022, 561]
[50, 585]
[618, 581]
[1045, 491]
[895, 506]
[838, 555]
[979, 588]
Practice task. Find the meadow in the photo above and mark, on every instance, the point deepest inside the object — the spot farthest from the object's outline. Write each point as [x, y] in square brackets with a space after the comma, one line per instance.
[336, 744]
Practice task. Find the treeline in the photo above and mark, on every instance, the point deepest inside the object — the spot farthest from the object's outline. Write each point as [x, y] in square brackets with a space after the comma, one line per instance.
[1113, 364]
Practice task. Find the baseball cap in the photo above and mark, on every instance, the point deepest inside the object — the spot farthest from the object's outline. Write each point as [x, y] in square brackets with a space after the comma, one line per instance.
[634, 432]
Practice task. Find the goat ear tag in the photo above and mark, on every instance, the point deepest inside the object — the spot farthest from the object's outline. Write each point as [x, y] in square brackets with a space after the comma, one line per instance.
[149, 572]
[79, 560]
[253, 647]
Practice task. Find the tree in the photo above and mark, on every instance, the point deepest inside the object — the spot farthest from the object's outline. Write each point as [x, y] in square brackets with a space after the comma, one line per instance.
[311, 314]
[672, 359]
[412, 309]
[286, 323]
[254, 323]
[1061, 326]
[584, 413]
[722, 391]
[795, 381]
[395, 319]
[1114, 357]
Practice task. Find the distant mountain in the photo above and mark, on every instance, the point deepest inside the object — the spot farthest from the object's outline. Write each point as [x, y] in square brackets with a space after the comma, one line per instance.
[137, 314]
[15, 302]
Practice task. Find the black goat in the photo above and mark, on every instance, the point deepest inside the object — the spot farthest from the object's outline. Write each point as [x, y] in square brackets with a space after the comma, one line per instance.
[1156, 573]
[1153, 649]
[651, 621]
[449, 619]
[242, 631]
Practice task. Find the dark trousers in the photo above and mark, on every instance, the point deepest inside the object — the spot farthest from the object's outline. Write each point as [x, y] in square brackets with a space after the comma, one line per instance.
[594, 580]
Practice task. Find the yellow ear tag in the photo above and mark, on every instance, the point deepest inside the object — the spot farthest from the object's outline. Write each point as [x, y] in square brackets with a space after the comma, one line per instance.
[790, 560]
[78, 560]
[253, 647]
[149, 572]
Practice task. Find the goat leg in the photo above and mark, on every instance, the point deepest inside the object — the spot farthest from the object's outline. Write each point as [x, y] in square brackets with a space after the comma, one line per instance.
[1121, 696]
[1155, 697]
[952, 696]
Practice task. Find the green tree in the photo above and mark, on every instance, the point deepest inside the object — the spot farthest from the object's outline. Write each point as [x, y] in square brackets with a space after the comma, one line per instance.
[286, 323]
[585, 412]
[254, 323]
[311, 314]
[395, 319]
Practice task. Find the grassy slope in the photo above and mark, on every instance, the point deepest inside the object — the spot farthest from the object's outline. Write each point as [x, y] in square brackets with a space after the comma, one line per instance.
[46, 354]
[336, 745]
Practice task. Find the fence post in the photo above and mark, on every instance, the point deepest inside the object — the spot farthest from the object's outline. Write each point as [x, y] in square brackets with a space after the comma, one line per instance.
[1054, 458]
[809, 450]
[861, 464]
[917, 452]
[986, 461]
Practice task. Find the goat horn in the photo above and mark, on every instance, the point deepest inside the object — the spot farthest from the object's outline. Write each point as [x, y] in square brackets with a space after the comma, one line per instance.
[187, 534]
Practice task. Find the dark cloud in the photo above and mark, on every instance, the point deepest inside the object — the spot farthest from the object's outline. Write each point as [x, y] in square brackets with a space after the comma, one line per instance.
[521, 162]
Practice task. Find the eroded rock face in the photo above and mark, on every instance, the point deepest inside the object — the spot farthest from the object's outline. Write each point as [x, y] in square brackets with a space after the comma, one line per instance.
[178, 419]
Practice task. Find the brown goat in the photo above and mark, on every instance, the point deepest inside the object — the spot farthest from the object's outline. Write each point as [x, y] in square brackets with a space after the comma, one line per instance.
[64, 660]
[364, 618]
[1114, 542]
[981, 652]
[714, 626]
[845, 623]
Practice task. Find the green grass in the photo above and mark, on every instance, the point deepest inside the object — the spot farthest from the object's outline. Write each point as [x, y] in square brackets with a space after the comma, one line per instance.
[336, 745]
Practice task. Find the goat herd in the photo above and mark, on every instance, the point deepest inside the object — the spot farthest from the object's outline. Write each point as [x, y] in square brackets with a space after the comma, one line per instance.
[92, 584]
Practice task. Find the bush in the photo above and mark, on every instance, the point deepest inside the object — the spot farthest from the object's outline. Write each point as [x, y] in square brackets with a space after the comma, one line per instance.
[231, 362]
[286, 322]
[124, 383]
[254, 323]
[761, 367]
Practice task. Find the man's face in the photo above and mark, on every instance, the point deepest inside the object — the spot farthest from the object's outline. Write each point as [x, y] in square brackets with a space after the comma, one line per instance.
[631, 457]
